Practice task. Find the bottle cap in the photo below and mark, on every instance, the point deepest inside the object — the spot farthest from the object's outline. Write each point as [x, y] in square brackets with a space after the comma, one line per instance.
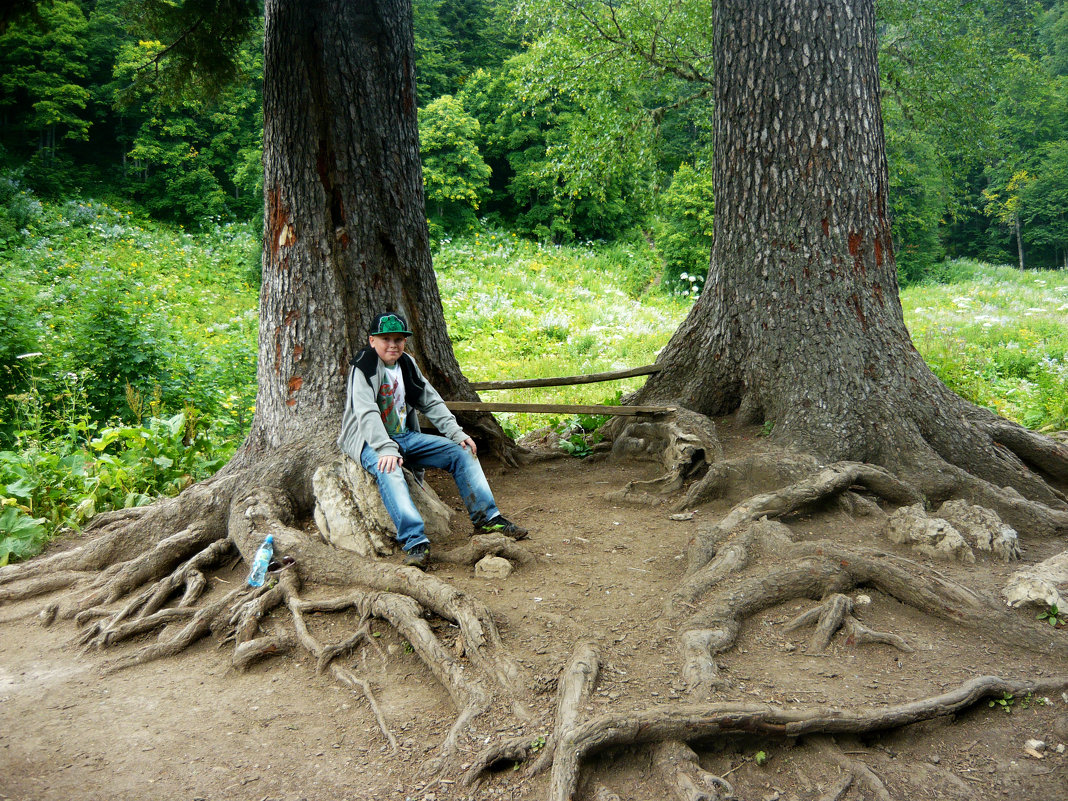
[269, 540]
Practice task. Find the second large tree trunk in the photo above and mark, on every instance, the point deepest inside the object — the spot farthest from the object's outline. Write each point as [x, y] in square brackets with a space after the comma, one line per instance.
[800, 323]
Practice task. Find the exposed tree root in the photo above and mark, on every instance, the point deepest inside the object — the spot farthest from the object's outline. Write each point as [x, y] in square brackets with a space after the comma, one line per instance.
[683, 444]
[689, 723]
[836, 612]
[574, 687]
[819, 569]
[679, 767]
[828, 482]
[746, 476]
[854, 770]
[839, 788]
[482, 545]
[1042, 453]
[36, 586]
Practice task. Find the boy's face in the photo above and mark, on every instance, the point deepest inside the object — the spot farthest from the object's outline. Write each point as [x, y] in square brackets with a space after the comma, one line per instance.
[389, 347]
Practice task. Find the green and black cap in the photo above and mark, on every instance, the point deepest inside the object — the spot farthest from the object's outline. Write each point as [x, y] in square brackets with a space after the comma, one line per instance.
[390, 323]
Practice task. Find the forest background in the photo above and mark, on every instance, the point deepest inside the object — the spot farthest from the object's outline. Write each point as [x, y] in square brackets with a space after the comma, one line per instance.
[567, 171]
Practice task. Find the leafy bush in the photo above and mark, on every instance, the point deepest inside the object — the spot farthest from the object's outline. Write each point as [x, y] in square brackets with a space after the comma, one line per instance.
[18, 210]
[684, 238]
[455, 177]
[113, 343]
[61, 482]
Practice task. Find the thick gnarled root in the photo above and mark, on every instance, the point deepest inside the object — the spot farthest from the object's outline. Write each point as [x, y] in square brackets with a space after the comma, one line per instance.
[482, 545]
[573, 690]
[699, 722]
[683, 444]
[681, 771]
[828, 482]
[821, 569]
[834, 614]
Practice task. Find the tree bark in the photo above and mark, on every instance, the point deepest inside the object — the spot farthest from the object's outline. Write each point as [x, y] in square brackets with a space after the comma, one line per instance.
[800, 322]
[345, 231]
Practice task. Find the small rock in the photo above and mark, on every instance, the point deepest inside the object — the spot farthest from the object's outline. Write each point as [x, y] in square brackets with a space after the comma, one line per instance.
[1060, 749]
[862, 600]
[493, 567]
[681, 516]
[1035, 745]
[936, 759]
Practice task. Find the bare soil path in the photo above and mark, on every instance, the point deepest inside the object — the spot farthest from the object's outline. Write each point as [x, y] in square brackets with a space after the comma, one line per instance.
[192, 727]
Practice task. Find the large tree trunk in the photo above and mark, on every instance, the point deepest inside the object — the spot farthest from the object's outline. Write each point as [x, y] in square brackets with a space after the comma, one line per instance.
[345, 232]
[800, 323]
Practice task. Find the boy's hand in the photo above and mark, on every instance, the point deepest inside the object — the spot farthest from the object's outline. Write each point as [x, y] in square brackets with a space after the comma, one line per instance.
[469, 445]
[387, 464]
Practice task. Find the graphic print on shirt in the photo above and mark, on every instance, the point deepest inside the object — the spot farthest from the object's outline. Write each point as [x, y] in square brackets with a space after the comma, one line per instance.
[391, 405]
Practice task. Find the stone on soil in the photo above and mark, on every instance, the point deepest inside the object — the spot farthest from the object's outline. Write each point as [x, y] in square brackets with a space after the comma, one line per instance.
[493, 567]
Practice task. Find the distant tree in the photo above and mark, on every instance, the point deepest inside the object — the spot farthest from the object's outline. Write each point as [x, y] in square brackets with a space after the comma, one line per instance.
[684, 236]
[455, 178]
[1044, 204]
[536, 185]
[43, 76]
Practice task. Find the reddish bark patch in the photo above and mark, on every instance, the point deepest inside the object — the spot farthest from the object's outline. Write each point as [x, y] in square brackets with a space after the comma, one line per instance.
[295, 383]
[290, 317]
[854, 243]
[859, 310]
[298, 352]
[826, 227]
[280, 234]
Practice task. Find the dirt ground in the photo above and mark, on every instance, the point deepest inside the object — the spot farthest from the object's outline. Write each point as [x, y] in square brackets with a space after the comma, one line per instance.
[192, 727]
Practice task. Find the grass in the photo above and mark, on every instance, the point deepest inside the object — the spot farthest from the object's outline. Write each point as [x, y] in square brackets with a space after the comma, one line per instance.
[998, 337]
[518, 309]
[514, 308]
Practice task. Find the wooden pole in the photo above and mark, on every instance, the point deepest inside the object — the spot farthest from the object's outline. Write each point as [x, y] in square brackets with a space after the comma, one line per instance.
[564, 381]
[557, 408]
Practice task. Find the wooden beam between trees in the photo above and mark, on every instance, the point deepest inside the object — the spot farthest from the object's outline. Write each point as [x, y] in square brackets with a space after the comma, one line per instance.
[570, 380]
[557, 408]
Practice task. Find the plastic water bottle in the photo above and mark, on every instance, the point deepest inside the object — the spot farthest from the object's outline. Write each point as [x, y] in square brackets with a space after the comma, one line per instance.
[260, 562]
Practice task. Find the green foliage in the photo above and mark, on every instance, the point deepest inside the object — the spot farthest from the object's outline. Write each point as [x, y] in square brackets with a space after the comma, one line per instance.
[1053, 616]
[455, 177]
[1005, 702]
[57, 482]
[43, 69]
[112, 343]
[21, 536]
[18, 210]
[998, 338]
[917, 198]
[107, 301]
[193, 160]
[453, 38]
[541, 183]
[684, 236]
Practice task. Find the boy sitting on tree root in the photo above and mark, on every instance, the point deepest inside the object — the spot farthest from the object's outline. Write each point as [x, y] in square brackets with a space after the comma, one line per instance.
[380, 430]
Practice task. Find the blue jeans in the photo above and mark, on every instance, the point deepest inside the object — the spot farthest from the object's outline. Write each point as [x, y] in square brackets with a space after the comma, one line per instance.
[426, 450]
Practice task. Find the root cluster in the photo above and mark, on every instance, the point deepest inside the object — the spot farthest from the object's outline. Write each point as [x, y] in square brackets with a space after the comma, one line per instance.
[149, 575]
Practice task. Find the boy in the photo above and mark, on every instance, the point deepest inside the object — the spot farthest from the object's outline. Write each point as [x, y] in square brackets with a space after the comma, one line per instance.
[380, 430]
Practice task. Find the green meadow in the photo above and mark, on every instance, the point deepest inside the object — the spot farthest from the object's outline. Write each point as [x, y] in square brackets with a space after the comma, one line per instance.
[128, 347]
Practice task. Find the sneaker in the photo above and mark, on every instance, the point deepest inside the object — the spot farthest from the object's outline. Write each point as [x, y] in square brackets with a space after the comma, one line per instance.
[418, 556]
[502, 525]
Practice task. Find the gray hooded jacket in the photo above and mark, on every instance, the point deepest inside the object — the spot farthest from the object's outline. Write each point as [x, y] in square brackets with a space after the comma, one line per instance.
[362, 421]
